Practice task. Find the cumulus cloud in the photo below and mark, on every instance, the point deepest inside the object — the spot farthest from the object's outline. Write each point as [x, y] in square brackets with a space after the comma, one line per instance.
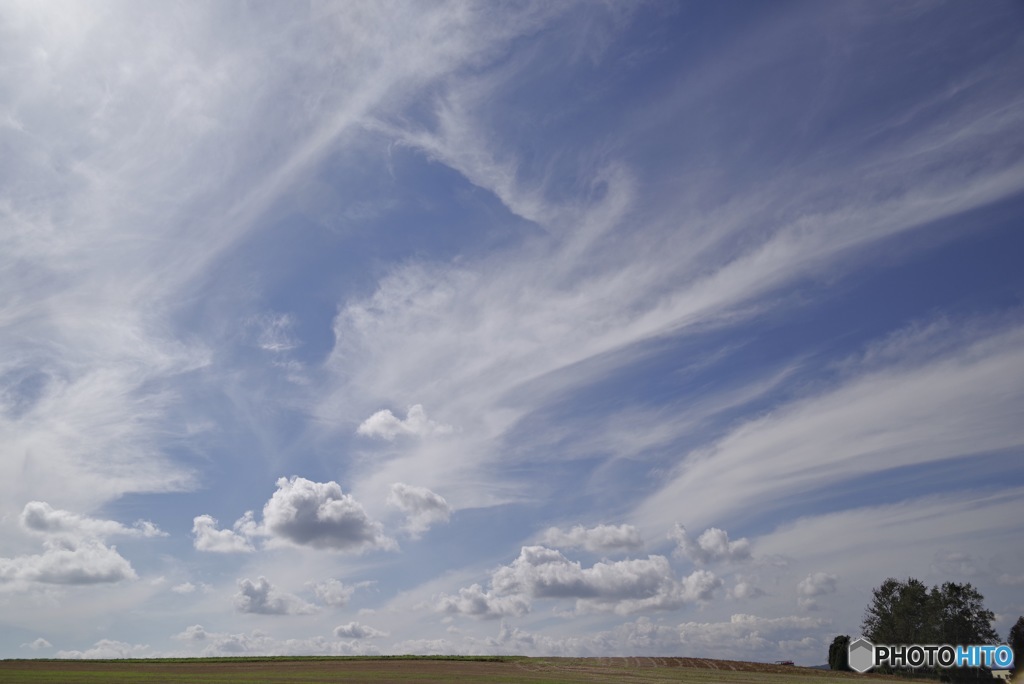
[746, 637]
[625, 586]
[261, 597]
[320, 515]
[355, 630]
[423, 508]
[814, 585]
[745, 590]
[386, 425]
[192, 633]
[710, 547]
[67, 562]
[602, 538]
[475, 602]
[236, 540]
[257, 642]
[108, 649]
[38, 645]
[183, 588]
[334, 592]
[41, 517]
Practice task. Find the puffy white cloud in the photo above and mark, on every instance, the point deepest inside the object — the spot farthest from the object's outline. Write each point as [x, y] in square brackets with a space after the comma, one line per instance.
[236, 540]
[386, 425]
[41, 517]
[817, 584]
[602, 538]
[814, 585]
[66, 562]
[257, 642]
[261, 597]
[745, 590]
[423, 508]
[320, 515]
[192, 633]
[38, 645]
[711, 546]
[355, 630]
[333, 592]
[183, 588]
[106, 649]
[476, 602]
[624, 586]
[748, 637]
[427, 647]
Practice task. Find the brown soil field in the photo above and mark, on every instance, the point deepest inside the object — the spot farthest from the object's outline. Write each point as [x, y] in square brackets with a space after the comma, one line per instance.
[426, 669]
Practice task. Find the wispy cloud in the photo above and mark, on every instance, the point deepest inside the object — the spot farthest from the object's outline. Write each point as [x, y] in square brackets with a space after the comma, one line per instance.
[600, 538]
[903, 415]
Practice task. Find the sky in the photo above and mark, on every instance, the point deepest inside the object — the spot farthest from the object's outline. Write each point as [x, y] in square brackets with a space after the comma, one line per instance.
[537, 328]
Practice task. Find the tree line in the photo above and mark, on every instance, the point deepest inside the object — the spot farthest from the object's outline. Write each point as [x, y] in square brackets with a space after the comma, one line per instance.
[908, 612]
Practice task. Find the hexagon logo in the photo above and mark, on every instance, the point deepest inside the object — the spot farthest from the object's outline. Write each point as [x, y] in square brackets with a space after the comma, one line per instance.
[861, 654]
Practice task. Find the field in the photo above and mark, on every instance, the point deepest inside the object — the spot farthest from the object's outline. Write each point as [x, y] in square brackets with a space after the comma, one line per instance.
[420, 669]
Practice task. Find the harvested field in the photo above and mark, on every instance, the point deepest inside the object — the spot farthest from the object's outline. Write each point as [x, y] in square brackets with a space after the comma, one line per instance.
[418, 669]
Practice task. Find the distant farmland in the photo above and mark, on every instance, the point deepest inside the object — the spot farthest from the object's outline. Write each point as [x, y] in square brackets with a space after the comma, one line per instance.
[418, 669]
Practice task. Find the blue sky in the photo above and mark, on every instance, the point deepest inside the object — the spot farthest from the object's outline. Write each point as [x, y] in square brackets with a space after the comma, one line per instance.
[540, 328]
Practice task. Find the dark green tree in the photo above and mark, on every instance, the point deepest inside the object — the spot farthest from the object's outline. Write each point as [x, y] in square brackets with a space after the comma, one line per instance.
[962, 617]
[839, 653]
[1016, 642]
[900, 613]
[909, 613]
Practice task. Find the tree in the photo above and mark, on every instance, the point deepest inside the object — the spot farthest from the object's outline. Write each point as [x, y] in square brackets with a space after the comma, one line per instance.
[909, 613]
[1016, 642]
[839, 652]
[962, 618]
[900, 613]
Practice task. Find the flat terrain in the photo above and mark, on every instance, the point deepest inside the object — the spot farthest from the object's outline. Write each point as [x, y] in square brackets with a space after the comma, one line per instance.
[417, 669]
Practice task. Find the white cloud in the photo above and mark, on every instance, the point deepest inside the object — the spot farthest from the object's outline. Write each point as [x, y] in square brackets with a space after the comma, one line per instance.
[41, 517]
[385, 425]
[475, 602]
[711, 546]
[65, 562]
[625, 586]
[37, 645]
[192, 633]
[274, 332]
[355, 630]
[423, 508]
[814, 585]
[748, 637]
[236, 540]
[470, 340]
[911, 414]
[319, 515]
[601, 538]
[745, 590]
[333, 592]
[183, 588]
[212, 644]
[261, 597]
[108, 649]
